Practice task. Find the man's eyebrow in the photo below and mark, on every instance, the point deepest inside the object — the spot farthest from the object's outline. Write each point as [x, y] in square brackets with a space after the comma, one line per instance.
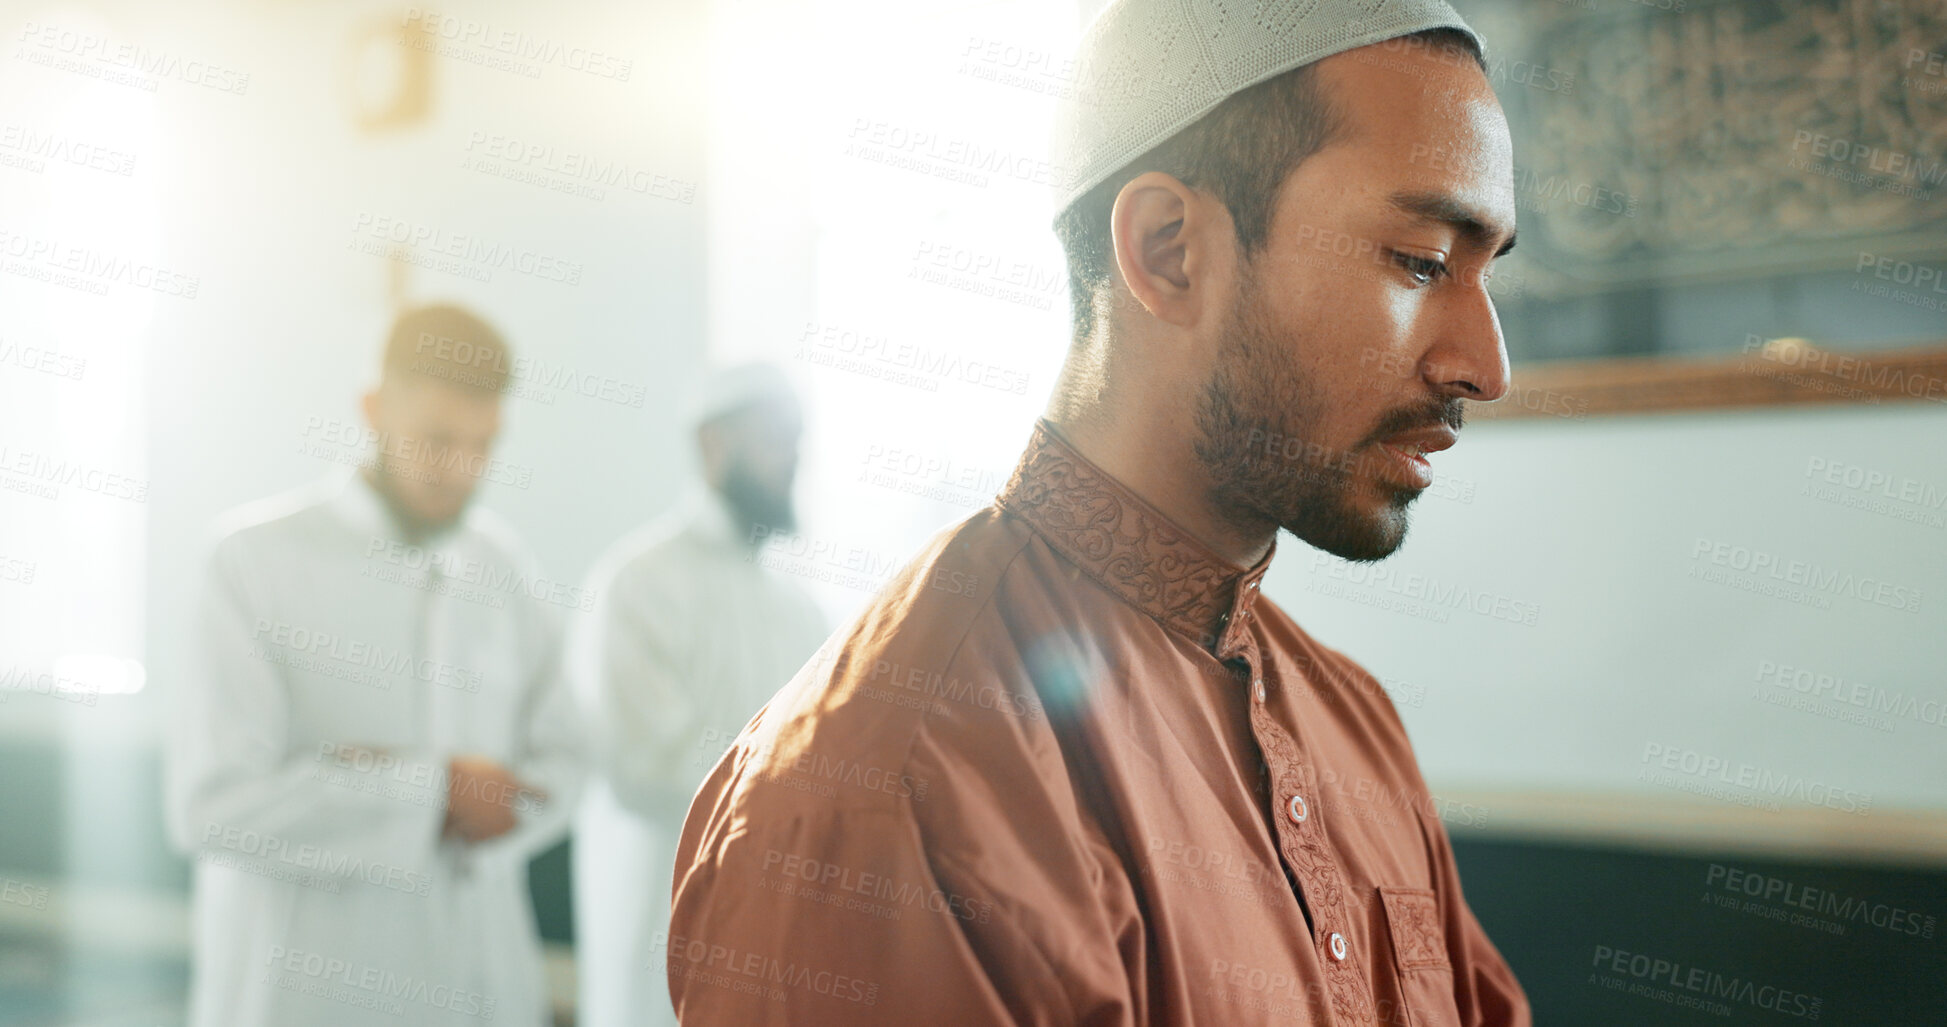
[1447, 209]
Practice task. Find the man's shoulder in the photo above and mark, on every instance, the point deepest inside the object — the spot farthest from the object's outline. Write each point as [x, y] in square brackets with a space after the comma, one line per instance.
[642, 548]
[662, 554]
[925, 671]
[933, 599]
[288, 517]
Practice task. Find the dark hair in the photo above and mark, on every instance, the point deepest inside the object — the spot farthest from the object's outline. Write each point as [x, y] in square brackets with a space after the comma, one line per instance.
[1240, 152]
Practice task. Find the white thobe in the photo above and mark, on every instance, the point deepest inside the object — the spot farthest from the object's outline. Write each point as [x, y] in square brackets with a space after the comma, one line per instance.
[340, 670]
[691, 637]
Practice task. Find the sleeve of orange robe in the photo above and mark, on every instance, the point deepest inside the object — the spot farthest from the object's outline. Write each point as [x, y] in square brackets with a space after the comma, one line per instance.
[972, 900]
[1485, 989]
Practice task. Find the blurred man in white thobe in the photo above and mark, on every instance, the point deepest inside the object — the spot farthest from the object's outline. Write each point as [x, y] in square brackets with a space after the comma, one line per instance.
[692, 635]
[378, 737]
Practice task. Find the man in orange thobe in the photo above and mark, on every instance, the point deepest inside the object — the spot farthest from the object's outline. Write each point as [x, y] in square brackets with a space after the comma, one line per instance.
[1069, 767]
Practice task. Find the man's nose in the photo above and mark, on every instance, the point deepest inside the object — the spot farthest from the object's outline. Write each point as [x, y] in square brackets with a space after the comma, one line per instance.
[1470, 359]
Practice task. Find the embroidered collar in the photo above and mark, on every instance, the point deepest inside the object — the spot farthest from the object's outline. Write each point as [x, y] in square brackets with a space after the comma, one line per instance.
[1130, 547]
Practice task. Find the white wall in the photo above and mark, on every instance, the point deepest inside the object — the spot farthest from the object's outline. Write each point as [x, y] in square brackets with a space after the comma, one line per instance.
[1593, 524]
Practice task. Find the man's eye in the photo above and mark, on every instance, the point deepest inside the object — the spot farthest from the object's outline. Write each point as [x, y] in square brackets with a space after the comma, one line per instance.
[1424, 270]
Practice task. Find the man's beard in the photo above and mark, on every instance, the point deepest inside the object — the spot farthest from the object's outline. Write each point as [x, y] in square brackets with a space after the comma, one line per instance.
[412, 525]
[1257, 437]
[756, 504]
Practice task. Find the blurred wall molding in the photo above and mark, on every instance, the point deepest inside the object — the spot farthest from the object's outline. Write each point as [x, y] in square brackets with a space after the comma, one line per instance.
[1777, 372]
[1905, 838]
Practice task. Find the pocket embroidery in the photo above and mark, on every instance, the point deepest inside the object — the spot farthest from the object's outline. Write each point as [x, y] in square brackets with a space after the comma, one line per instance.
[1413, 914]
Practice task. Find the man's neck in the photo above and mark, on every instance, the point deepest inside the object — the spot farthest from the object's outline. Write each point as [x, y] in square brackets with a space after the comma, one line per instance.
[1157, 461]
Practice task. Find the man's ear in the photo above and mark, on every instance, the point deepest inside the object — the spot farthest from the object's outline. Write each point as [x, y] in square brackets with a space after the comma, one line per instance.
[369, 405]
[1163, 233]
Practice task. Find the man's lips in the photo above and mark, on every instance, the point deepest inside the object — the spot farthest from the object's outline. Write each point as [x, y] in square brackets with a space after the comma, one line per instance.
[1431, 439]
[1406, 452]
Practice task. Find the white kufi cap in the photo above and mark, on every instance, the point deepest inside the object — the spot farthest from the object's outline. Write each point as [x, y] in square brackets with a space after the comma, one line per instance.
[726, 390]
[1146, 69]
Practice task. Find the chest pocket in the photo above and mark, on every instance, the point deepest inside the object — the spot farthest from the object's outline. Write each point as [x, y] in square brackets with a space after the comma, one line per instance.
[1420, 954]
